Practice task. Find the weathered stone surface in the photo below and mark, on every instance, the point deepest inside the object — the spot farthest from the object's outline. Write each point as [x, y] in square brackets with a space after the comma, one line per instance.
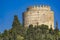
[39, 14]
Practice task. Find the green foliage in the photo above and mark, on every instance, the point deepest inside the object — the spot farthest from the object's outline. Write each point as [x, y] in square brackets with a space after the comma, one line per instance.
[39, 32]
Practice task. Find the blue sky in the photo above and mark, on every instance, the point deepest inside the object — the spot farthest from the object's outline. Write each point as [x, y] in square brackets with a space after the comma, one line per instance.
[9, 8]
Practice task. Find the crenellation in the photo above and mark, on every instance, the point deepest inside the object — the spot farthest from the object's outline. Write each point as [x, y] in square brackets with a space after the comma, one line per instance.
[40, 8]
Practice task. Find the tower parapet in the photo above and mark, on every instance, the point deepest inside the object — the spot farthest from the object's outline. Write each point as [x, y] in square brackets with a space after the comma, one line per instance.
[41, 7]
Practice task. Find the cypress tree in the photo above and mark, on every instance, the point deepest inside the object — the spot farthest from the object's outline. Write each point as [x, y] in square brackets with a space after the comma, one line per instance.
[16, 26]
[56, 29]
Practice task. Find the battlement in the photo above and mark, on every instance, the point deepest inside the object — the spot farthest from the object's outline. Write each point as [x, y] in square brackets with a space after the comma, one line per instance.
[41, 7]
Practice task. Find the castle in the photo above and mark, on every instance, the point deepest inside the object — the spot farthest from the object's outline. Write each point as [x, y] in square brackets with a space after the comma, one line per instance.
[38, 14]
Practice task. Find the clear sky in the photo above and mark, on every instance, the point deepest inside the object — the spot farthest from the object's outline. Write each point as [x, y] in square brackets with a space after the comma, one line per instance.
[9, 8]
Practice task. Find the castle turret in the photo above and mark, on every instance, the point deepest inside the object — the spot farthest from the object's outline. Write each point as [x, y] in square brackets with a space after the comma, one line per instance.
[39, 14]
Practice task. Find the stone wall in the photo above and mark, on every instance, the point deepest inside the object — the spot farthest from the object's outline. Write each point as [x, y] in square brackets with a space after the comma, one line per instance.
[40, 15]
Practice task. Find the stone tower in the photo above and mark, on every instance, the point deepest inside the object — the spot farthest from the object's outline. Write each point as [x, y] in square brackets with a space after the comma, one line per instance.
[38, 14]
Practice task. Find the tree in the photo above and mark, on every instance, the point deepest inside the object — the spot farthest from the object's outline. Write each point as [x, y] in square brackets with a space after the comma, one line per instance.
[5, 35]
[16, 29]
[29, 32]
[51, 31]
[44, 28]
[0, 36]
[56, 31]
[17, 26]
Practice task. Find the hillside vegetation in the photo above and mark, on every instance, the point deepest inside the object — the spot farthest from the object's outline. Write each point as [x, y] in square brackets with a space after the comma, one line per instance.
[39, 32]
